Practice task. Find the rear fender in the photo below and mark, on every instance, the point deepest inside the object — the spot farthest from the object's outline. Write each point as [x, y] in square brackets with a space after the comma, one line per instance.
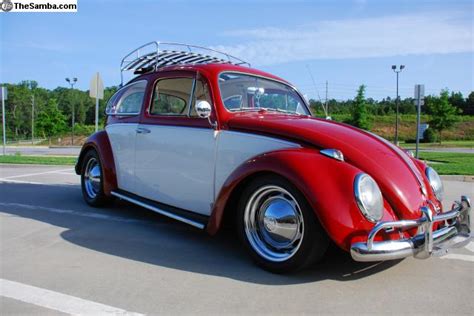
[326, 183]
[101, 144]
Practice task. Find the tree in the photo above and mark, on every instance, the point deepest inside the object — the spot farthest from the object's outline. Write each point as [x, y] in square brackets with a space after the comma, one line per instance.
[359, 110]
[443, 114]
[469, 110]
[51, 121]
[457, 100]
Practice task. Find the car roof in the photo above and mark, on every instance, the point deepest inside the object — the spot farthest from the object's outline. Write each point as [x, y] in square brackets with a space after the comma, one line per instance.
[213, 68]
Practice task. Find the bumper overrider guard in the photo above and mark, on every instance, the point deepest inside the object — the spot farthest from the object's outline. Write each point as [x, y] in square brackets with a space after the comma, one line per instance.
[456, 233]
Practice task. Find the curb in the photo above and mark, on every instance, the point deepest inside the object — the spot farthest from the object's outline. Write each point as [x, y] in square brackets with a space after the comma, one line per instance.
[457, 178]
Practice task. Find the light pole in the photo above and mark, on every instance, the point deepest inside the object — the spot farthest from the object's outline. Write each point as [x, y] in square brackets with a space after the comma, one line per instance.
[72, 82]
[32, 114]
[397, 101]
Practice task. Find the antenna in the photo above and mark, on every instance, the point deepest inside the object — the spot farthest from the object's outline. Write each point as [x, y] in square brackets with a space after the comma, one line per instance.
[316, 89]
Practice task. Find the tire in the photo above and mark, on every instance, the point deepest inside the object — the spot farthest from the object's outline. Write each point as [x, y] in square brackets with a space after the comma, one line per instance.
[278, 227]
[92, 180]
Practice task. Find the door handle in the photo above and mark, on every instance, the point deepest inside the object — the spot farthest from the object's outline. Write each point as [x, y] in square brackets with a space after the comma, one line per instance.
[142, 130]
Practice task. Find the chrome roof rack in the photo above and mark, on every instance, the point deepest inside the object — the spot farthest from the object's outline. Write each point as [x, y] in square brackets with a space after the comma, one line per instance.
[154, 55]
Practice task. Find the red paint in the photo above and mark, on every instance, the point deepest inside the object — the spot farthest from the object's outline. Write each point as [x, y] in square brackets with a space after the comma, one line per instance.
[101, 144]
[385, 163]
[326, 183]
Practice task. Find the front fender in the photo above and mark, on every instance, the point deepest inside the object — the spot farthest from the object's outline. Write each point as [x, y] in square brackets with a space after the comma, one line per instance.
[326, 183]
[101, 144]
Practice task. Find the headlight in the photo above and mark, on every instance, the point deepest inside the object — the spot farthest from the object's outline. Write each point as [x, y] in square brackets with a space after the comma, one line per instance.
[368, 197]
[435, 183]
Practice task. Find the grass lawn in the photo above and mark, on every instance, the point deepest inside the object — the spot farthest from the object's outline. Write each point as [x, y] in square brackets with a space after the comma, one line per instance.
[40, 160]
[450, 163]
[446, 144]
[444, 163]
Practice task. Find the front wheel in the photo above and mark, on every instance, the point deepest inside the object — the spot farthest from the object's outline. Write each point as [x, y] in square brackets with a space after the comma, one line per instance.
[92, 180]
[277, 226]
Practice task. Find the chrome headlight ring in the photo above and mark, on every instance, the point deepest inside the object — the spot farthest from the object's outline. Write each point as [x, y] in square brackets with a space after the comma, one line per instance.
[369, 197]
[435, 183]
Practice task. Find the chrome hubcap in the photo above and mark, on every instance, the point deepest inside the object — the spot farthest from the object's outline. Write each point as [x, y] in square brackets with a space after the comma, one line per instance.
[92, 177]
[274, 223]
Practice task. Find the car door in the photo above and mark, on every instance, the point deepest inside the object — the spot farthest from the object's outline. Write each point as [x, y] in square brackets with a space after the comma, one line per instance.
[124, 110]
[175, 150]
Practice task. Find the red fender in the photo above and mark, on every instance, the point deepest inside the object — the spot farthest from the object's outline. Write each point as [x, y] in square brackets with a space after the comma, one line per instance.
[326, 183]
[101, 144]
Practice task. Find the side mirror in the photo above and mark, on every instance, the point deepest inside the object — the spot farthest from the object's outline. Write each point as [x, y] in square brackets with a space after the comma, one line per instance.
[203, 109]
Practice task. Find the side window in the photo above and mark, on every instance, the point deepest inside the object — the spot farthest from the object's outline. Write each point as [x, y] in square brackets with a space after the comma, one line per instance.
[201, 93]
[171, 96]
[128, 100]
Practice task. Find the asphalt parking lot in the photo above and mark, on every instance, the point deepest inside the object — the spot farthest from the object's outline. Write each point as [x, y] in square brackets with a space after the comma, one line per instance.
[60, 256]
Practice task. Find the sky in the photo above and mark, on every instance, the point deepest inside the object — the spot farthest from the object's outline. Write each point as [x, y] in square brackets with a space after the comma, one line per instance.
[346, 43]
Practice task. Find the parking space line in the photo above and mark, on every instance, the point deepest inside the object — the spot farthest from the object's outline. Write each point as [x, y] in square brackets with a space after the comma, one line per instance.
[36, 174]
[459, 257]
[19, 181]
[56, 301]
[71, 212]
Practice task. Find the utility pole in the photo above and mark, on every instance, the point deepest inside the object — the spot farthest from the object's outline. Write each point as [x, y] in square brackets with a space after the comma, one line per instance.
[397, 101]
[33, 118]
[3, 91]
[327, 108]
[72, 82]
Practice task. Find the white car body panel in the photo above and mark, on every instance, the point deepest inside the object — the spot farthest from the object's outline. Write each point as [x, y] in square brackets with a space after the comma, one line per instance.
[235, 148]
[175, 166]
[180, 166]
[122, 140]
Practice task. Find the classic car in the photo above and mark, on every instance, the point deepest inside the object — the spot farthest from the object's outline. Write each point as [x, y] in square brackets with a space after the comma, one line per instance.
[200, 136]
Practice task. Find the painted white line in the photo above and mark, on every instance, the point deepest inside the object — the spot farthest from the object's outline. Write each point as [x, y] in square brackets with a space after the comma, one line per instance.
[70, 212]
[57, 301]
[456, 256]
[36, 174]
[19, 181]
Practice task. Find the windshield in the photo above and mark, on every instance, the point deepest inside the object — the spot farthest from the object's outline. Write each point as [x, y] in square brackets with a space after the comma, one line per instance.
[241, 92]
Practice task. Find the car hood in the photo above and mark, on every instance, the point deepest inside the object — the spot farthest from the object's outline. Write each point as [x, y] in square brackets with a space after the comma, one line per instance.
[399, 179]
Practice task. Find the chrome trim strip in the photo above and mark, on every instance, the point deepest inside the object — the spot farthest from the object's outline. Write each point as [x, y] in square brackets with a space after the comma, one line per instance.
[158, 210]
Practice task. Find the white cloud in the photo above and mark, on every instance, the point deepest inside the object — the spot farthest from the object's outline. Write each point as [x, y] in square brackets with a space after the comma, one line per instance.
[424, 33]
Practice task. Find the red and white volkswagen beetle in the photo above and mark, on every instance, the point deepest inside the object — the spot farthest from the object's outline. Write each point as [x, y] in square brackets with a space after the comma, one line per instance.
[196, 136]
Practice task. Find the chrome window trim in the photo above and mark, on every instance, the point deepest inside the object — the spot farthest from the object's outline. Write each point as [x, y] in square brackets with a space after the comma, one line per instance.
[150, 103]
[119, 91]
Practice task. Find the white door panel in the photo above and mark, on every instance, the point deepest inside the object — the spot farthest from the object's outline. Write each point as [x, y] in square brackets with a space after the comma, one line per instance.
[122, 140]
[175, 166]
[234, 148]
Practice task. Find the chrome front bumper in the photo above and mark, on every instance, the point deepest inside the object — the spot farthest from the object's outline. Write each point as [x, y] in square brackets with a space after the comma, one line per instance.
[456, 233]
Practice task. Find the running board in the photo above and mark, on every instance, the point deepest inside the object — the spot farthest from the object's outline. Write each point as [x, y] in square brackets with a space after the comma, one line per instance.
[190, 218]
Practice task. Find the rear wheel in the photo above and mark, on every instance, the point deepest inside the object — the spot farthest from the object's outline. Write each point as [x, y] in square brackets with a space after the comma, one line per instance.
[92, 180]
[277, 226]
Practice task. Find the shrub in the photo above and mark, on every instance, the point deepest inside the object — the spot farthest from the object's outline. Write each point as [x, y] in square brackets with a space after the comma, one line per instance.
[429, 136]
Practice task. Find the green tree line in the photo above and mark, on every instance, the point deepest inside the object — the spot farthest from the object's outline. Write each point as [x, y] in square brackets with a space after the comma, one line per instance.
[387, 106]
[52, 110]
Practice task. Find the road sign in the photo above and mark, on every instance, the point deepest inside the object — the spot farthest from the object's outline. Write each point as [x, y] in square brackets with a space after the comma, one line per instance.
[419, 101]
[96, 91]
[3, 93]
